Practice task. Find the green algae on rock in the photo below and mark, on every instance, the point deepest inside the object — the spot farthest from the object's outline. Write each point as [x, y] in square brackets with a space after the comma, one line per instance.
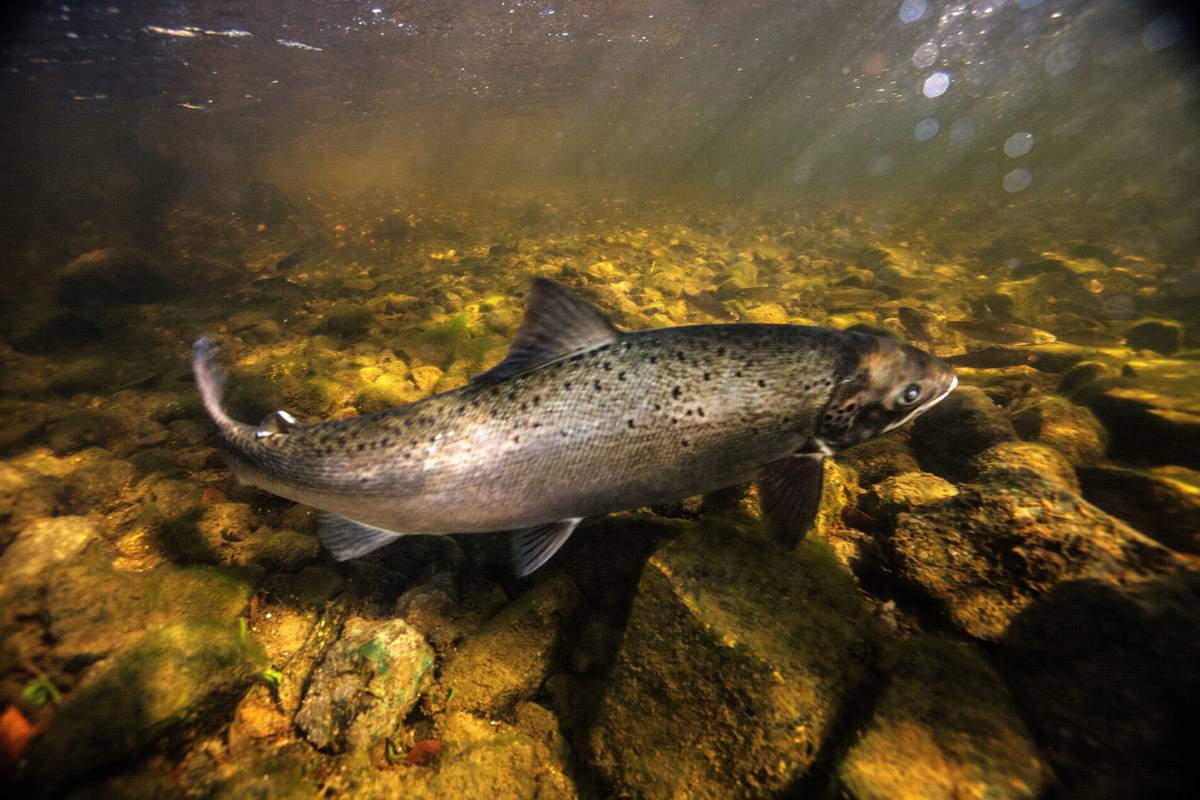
[993, 464]
[944, 727]
[713, 695]
[161, 690]
[365, 685]
[906, 492]
[1070, 428]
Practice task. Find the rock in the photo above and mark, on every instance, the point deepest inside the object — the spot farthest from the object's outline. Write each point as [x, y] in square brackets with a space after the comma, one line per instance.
[92, 609]
[906, 492]
[949, 434]
[349, 319]
[880, 458]
[996, 548]
[945, 727]
[999, 461]
[1069, 428]
[91, 374]
[1106, 677]
[1152, 415]
[1164, 504]
[172, 684]
[426, 377]
[112, 275]
[732, 668]
[1160, 335]
[366, 684]
[387, 391]
[80, 429]
[508, 659]
[285, 773]
[43, 544]
[50, 330]
[286, 550]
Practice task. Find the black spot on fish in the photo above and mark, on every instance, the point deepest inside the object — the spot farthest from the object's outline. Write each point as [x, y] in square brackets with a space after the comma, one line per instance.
[653, 359]
[516, 440]
[707, 376]
[524, 406]
[658, 406]
[597, 386]
[685, 442]
[537, 399]
[567, 386]
[687, 413]
[720, 351]
[607, 366]
[679, 355]
[676, 392]
[620, 376]
[762, 384]
[629, 422]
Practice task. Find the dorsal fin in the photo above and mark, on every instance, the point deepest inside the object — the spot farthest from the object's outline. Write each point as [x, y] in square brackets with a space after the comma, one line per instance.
[557, 324]
[275, 422]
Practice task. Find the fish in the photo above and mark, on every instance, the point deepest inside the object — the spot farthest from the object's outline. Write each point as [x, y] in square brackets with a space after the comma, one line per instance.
[709, 304]
[580, 420]
[292, 259]
[1001, 332]
[916, 323]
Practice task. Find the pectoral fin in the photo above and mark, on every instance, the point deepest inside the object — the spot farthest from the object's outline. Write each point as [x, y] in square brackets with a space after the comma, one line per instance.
[347, 539]
[790, 492]
[533, 547]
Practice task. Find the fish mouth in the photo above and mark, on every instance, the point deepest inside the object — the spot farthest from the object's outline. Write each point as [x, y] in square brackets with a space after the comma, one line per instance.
[921, 409]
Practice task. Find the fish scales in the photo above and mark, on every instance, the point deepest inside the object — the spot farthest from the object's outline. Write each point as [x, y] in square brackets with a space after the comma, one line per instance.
[637, 422]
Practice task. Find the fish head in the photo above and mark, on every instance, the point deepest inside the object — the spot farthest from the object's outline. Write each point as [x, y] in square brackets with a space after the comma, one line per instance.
[886, 384]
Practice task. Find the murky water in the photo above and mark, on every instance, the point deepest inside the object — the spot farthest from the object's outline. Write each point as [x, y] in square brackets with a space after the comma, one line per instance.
[352, 199]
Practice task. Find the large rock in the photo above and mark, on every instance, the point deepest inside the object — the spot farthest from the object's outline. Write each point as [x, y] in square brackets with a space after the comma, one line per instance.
[44, 543]
[173, 683]
[949, 434]
[734, 664]
[995, 548]
[945, 727]
[367, 683]
[1058, 422]
[999, 461]
[92, 609]
[1152, 415]
[906, 492]
[1163, 504]
[1106, 677]
[111, 275]
[509, 658]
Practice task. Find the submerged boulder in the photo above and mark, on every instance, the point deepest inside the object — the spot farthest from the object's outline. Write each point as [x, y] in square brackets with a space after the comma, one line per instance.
[945, 727]
[1106, 677]
[112, 275]
[510, 656]
[733, 666]
[1058, 422]
[1164, 503]
[168, 686]
[949, 434]
[991, 551]
[1151, 413]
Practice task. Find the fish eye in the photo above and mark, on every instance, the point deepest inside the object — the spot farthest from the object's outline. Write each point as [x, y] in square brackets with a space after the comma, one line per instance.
[909, 395]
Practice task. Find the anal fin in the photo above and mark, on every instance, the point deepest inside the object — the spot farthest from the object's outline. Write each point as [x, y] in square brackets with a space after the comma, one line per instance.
[347, 539]
[790, 492]
[533, 547]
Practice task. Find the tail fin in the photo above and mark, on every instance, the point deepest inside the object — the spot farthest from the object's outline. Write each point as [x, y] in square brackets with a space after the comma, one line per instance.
[210, 382]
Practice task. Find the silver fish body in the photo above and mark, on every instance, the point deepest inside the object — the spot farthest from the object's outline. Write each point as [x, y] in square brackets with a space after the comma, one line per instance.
[632, 419]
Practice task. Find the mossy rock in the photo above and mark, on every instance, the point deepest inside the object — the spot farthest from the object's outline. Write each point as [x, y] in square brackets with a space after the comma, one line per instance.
[173, 683]
[509, 658]
[944, 727]
[946, 437]
[90, 374]
[999, 461]
[287, 551]
[349, 319]
[733, 666]
[906, 492]
[112, 275]
[1056, 421]
[1164, 504]
[366, 684]
[1163, 336]
[994, 549]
